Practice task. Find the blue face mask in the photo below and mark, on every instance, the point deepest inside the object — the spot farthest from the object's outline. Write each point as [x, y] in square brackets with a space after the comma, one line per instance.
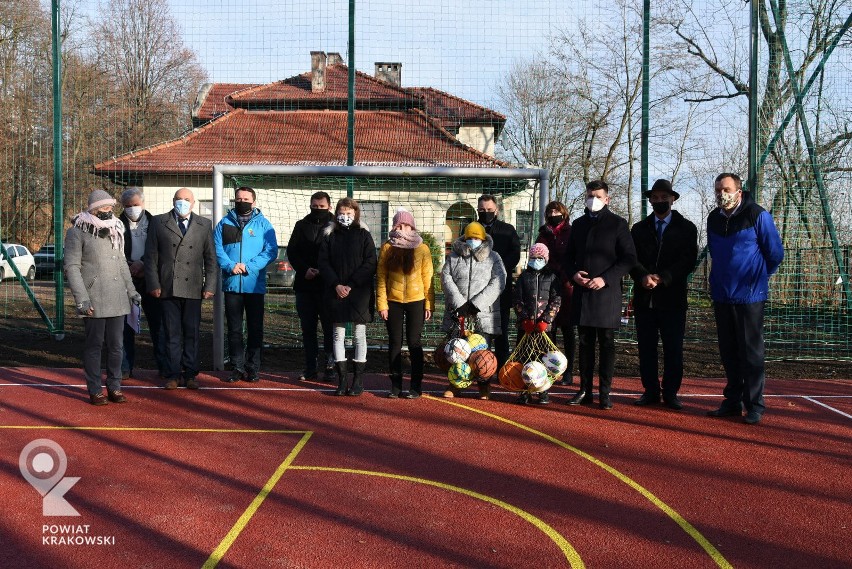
[537, 264]
[182, 207]
[473, 243]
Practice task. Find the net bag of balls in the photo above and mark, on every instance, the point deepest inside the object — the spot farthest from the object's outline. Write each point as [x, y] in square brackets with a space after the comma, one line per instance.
[534, 365]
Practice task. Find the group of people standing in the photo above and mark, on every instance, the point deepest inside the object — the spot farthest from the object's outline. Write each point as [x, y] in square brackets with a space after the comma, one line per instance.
[168, 264]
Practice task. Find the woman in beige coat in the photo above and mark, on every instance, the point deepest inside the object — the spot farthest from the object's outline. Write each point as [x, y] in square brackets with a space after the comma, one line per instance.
[103, 290]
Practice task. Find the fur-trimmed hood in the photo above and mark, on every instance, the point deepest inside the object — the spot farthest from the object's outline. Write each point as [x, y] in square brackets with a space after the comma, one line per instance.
[332, 225]
[462, 249]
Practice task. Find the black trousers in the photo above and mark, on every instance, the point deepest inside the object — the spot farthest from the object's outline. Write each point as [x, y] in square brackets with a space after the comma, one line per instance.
[604, 338]
[742, 349]
[569, 342]
[309, 307]
[100, 331]
[501, 342]
[653, 325]
[154, 315]
[245, 356]
[411, 315]
[182, 327]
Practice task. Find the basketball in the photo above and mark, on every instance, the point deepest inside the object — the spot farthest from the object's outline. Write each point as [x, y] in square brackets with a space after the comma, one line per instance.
[457, 350]
[483, 363]
[477, 342]
[459, 375]
[510, 377]
[535, 375]
[440, 358]
[555, 362]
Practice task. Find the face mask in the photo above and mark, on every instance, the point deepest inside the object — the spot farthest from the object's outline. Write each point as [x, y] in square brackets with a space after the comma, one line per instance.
[182, 207]
[243, 208]
[537, 264]
[318, 215]
[554, 220]
[486, 217]
[660, 207]
[473, 243]
[104, 215]
[727, 201]
[134, 212]
[345, 220]
[594, 204]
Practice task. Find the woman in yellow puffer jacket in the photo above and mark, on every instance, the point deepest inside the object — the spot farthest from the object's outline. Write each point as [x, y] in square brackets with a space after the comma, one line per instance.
[405, 293]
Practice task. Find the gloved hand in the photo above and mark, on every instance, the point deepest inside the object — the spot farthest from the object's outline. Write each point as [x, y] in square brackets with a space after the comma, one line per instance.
[527, 326]
[136, 298]
[461, 311]
[472, 309]
[84, 307]
[541, 326]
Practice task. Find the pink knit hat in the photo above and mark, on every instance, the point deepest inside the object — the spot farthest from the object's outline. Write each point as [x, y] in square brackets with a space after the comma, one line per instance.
[403, 216]
[540, 250]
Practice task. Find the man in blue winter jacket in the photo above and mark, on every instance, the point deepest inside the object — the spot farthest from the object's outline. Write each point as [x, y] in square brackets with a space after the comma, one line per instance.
[746, 251]
[245, 244]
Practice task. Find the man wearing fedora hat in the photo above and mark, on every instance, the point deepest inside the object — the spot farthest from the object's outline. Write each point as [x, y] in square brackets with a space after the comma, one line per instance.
[666, 251]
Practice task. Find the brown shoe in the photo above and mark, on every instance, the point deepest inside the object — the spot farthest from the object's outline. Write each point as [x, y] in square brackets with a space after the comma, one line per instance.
[171, 384]
[116, 396]
[191, 383]
[99, 399]
[450, 393]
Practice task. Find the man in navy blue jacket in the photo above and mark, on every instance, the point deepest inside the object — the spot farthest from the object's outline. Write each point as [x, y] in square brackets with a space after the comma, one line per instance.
[245, 244]
[746, 251]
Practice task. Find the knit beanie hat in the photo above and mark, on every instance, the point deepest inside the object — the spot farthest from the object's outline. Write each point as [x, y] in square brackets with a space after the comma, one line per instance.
[540, 250]
[404, 216]
[474, 230]
[98, 199]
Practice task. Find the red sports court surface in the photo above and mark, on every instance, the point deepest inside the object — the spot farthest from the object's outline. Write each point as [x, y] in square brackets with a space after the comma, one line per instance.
[281, 474]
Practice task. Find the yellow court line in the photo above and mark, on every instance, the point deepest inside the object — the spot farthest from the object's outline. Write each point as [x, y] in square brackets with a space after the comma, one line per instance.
[241, 523]
[570, 553]
[714, 553]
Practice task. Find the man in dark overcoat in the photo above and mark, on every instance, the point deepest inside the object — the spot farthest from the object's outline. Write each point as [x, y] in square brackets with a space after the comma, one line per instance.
[666, 250]
[599, 254]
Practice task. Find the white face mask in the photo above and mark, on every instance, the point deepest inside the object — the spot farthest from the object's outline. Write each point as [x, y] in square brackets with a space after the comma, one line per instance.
[473, 243]
[182, 207]
[537, 264]
[727, 201]
[594, 204]
[134, 212]
[345, 220]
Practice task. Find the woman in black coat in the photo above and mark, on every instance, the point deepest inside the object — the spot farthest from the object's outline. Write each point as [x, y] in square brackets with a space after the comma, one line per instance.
[347, 264]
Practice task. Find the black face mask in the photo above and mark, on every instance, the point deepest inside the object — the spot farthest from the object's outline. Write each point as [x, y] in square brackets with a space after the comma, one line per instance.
[104, 215]
[243, 208]
[554, 220]
[660, 207]
[320, 215]
[486, 217]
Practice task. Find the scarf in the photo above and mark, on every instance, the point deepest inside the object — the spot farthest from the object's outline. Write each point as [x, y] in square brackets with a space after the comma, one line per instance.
[112, 228]
[405, 239]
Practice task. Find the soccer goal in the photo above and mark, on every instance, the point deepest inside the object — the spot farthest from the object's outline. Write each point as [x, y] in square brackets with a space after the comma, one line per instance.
[442, 199]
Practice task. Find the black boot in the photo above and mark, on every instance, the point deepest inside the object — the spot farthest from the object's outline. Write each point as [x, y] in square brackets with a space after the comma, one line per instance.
[584, 395]
[604, 401]
[357, 384]
[330, 370]
[396, 386]
[416, 388]
[341, 377]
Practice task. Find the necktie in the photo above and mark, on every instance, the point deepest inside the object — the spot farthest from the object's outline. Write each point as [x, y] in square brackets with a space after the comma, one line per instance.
[182, 224]
[660, 225]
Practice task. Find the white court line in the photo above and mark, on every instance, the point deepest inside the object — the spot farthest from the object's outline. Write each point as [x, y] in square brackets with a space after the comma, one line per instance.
[829, 407]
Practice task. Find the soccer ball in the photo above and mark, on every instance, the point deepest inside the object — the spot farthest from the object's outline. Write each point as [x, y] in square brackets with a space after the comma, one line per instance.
[555, 362]
[510, 377]
[477, 342]
[457, 350]
[535, 376]
[483, 363]
[459, 375]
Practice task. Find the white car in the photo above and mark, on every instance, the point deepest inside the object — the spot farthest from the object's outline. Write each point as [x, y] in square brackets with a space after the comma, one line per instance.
[22, 258]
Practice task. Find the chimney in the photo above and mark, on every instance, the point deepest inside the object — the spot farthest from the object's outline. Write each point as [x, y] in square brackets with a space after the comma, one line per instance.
[318, 71]
[334, 58]
[389, 73]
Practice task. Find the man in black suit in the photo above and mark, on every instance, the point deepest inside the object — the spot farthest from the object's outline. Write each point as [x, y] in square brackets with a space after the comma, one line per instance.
[666, 250]
[137, 221]
[181, 270]
[507, 245]
[600, 253]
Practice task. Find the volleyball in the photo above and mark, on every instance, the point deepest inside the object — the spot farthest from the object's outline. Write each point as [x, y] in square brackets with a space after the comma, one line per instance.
[535, 376]
[477, 342]
[483, 363]
[510, 377]
[555, 362]
[457, 350]
[459, 375]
